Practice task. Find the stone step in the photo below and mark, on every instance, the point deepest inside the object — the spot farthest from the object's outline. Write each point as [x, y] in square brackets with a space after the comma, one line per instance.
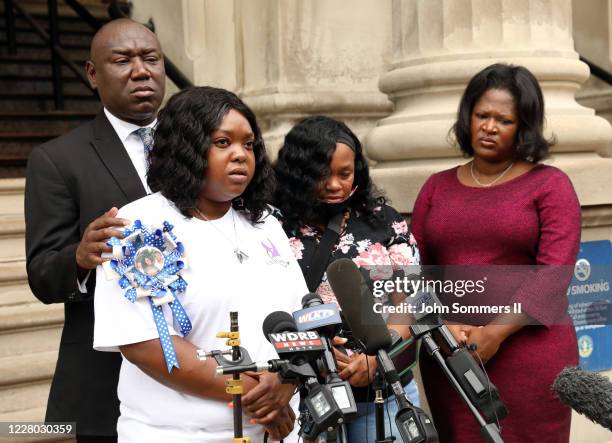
[28, 66]
[27, 368]
[15, 147]
[43, 45]
[29, 336]
[96, 8]
[72, 25]
[24, 59]
[11, 197]
[26, 137]
[38, 76]
[12, 271]
[14, 294]
[27, 325]
[28, 328]
[29, 415]
[33, 340]
[34, 414]
[12, 236]
[58, 122]
[29, 316]
[12, 172]
[32, 37]
[25, 396]
[32, 102]
[41, 85]
[70, 86]
[81, 52]
[15, 157]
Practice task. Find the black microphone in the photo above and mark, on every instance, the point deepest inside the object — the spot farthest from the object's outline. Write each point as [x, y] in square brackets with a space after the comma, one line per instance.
[278, 321]
[299, 347]
[587, 393]
[311, 299]
[370, 330]
[357, 304]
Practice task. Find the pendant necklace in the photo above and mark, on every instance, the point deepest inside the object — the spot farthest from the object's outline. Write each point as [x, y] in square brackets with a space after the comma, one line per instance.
[240, 255]
[498, 178]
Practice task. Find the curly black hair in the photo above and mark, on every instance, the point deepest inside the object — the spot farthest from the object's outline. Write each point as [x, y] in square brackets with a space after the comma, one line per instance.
[304, 162]
[178, 161]
[524, 88]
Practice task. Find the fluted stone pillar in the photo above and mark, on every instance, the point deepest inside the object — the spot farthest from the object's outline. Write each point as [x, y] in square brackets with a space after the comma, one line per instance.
[438, 45]
[301, 58]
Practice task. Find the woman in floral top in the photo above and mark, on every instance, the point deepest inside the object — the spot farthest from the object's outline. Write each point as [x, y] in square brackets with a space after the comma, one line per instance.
[321, 172]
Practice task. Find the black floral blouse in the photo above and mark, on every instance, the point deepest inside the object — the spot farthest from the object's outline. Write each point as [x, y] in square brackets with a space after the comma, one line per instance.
[382, 250]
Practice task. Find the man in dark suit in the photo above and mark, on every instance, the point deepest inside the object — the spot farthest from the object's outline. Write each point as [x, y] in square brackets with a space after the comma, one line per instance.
[74, 185]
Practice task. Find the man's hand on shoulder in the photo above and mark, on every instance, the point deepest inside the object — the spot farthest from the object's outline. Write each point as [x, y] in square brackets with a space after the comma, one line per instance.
[93, 244]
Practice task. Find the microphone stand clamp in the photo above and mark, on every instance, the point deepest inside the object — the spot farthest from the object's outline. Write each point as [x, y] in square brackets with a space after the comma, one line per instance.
[233, 386]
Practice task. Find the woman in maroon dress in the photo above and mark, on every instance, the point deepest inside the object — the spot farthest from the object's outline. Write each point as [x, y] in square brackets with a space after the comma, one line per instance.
[504, 208]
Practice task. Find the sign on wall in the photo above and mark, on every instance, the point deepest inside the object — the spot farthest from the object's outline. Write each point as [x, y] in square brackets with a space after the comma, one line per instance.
[590, 304]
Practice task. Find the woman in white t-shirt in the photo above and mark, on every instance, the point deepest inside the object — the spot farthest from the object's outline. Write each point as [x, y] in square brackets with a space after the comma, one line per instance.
[211, 178]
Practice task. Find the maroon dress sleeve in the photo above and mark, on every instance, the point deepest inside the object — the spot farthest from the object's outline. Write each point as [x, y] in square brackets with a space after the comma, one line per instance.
[544, 296]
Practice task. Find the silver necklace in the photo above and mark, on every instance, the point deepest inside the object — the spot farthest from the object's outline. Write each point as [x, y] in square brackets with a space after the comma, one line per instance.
[498, 178]
[240, 255]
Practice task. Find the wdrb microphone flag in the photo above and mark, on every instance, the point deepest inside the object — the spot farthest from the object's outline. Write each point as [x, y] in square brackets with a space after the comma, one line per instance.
[292, 342]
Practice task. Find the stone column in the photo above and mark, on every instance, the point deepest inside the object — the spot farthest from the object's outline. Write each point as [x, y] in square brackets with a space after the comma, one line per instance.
[300, 58]
[438, 45]
[592, 31]
[593, 39]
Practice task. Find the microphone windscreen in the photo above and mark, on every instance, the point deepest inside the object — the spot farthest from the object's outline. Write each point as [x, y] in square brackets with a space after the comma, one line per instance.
[310, 299]
[278, 321]
[587, 393]
[357, 303]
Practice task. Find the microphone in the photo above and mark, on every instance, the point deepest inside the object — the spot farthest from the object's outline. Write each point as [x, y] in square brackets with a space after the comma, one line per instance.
[357, 304]
[315, 315]
[299, 347]
[323, 410]
[278, 321]
[370, 330]
[587, 393]
[325, 319]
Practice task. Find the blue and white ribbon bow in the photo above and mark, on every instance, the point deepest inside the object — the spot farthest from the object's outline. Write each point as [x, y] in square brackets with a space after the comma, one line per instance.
[148, 263]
